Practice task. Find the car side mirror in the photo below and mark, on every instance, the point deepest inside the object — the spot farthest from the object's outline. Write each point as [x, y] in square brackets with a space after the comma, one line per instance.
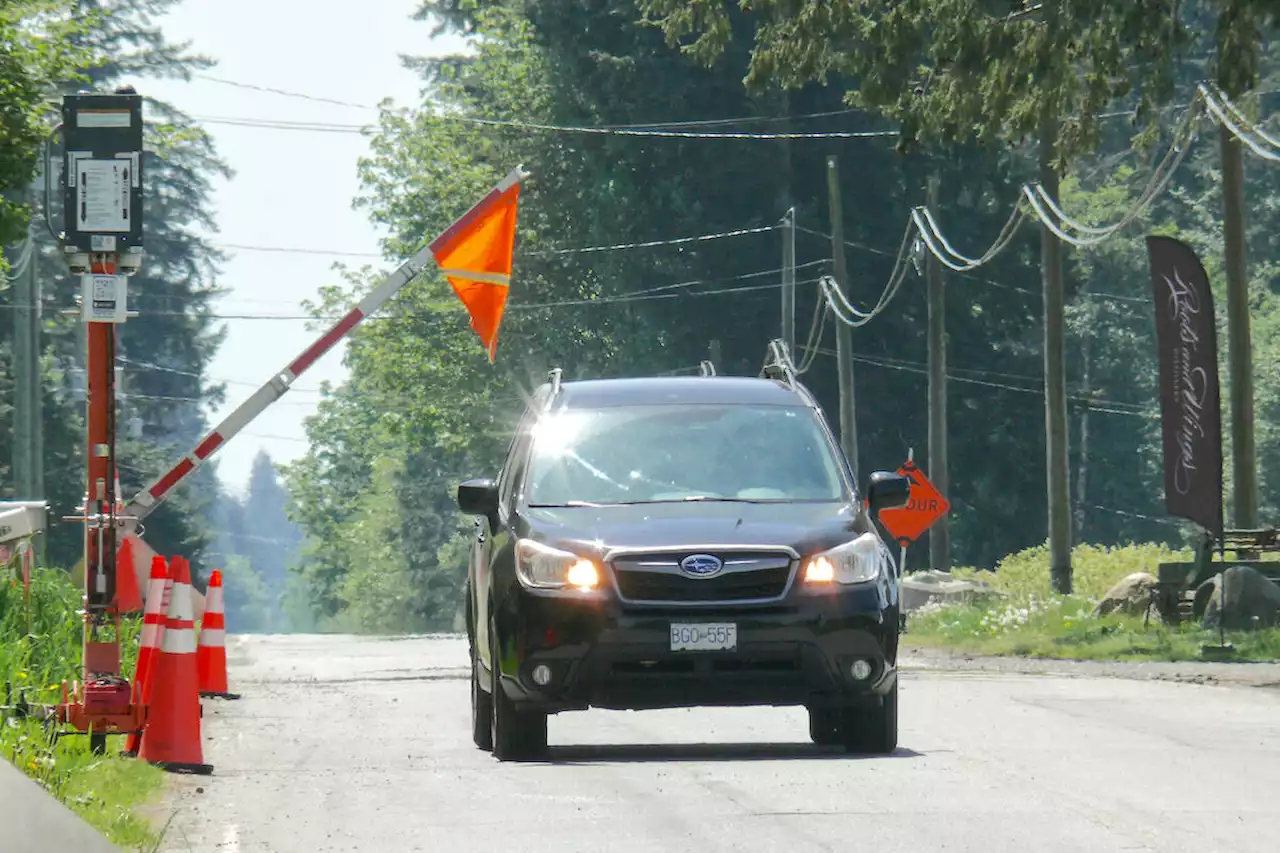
[887, 490]
[478, 497]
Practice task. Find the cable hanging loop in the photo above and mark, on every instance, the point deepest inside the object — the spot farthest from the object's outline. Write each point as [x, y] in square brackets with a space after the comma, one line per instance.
[1218, 112]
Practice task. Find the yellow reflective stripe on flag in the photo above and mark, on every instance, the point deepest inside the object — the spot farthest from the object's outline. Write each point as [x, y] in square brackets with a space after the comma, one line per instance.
[486, 277]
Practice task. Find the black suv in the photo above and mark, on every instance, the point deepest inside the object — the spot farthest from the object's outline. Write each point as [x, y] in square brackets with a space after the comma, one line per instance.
[677, 542]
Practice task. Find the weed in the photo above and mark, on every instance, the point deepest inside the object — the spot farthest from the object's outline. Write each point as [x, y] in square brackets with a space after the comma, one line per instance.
[1028, 620]
[40, 647]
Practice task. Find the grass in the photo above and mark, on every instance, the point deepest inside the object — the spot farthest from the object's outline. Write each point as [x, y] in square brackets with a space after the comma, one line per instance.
[1022, 617]
[40, 646]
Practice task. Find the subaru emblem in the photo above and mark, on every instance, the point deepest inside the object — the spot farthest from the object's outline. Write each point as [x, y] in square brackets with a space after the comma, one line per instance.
[701, 565]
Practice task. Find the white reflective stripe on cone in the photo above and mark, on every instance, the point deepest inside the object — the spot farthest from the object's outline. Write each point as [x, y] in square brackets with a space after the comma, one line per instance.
[180, 605]
[179, 641]
[213, 636]
[213, 600]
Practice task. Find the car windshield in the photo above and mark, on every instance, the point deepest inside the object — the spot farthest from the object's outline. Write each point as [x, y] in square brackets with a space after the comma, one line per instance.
[647, 454]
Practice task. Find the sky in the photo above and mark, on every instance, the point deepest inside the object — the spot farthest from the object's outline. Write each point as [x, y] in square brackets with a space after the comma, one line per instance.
[292, 189]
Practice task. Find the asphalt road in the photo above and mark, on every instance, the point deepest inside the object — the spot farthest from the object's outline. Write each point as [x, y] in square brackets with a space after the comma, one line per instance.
[347, 744]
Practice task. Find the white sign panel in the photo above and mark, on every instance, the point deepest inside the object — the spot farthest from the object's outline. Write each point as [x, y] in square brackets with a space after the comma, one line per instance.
[104, 298]
[102, 195]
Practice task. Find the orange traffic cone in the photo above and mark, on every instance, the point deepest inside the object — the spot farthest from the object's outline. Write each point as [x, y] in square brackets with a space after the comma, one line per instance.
[172, 736]
[128, 597]
[158, 594]
[211, 655]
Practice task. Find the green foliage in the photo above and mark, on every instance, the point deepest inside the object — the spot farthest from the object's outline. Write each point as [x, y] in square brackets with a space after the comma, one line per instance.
[164, 351]
[955, 70]
[1024, 576]
[1022, 616]
[40, 647]
[107, 791]
[423, 409]
[38, 47]
[1065, 628]
[256, 545]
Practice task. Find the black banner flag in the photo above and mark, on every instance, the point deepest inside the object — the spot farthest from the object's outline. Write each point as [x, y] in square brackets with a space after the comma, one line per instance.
[1190, 403]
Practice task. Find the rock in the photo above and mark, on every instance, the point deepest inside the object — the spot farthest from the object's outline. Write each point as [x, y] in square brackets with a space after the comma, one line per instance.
[1252, 601]
[1132, 596]
[919, 588]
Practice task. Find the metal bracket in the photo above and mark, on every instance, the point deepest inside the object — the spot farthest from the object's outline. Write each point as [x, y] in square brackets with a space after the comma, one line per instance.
[778, 364]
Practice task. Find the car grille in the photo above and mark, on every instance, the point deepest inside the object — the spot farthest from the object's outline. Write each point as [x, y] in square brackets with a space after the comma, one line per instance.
[657, 579]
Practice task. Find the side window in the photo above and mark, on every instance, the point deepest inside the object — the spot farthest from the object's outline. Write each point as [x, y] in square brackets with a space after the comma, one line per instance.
[513, 466]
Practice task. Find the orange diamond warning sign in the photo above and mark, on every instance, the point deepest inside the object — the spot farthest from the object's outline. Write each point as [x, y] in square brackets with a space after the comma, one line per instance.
[925, 506]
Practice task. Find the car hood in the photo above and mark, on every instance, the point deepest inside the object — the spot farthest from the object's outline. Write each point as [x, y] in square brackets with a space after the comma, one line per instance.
[590, 531]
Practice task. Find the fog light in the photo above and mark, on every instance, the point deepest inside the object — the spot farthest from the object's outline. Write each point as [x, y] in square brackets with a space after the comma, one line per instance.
[542, 675]
[860, 670]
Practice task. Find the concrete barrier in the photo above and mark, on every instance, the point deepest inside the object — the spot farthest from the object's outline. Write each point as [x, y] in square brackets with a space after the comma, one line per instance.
[33, 821]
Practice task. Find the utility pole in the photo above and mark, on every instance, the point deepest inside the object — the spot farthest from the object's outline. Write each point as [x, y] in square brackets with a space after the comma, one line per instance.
[1055, 375]
[1239, 343]
[940, 533]
[789, 281]
[844, 336]
[25, 371]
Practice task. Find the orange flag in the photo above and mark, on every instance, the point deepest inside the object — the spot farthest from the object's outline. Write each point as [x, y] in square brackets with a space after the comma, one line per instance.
[476, 256]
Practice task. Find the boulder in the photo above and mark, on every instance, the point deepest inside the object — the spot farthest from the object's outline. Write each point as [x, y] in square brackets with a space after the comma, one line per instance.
[1252, 600]
[919, 588]
[1131, 596]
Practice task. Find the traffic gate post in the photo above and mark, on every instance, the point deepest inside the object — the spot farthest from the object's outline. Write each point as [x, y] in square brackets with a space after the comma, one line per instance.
[102, 243]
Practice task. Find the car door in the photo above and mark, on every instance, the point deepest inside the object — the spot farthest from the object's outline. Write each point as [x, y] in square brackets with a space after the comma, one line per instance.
[490, 541]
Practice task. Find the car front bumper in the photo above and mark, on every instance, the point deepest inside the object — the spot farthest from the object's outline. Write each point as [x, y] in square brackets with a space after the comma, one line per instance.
[601, 655]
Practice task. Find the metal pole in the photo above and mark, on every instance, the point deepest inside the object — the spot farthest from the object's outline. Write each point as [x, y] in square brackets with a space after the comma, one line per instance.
[789, 281]
[844, 338]
[940, 534]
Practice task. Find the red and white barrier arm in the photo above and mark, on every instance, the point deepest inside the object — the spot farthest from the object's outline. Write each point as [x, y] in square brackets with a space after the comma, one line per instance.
[149, 498]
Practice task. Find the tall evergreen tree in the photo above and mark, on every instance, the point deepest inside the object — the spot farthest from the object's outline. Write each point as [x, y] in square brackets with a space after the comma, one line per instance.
[162, 353]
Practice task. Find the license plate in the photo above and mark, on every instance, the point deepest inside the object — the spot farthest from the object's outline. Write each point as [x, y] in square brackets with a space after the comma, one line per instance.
[704, 637]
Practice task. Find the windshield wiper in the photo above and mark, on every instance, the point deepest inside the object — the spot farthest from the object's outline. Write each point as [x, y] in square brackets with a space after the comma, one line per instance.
[565, 504]
[724, 500]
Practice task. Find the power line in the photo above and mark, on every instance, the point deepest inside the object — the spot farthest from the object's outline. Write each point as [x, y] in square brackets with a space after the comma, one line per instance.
[665, 291]
[330, 127]
[582, 250]
[653, 125]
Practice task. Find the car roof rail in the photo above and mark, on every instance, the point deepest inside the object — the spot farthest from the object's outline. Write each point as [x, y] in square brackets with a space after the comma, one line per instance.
[706, 368]
[778, 364]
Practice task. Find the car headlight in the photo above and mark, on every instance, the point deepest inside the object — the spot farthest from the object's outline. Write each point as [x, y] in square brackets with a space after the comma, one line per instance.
[858, 561]
[544, 567]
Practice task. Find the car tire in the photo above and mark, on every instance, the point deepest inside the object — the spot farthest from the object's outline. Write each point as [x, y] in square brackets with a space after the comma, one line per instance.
[481, 708]
[825, 726]
[517, 733]
[873, 730]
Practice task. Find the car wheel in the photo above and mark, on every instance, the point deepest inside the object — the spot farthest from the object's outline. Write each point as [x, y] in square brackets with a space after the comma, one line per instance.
[873, 730]
[824, 726]
[517, 733]
[481, 708]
